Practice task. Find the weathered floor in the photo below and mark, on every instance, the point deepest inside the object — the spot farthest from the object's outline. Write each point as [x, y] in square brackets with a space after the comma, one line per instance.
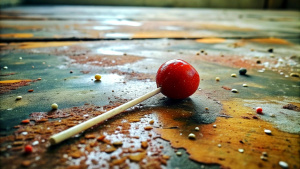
[41, 49]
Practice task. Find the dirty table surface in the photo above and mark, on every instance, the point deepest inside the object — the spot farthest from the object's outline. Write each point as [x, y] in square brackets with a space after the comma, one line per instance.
[50, 54]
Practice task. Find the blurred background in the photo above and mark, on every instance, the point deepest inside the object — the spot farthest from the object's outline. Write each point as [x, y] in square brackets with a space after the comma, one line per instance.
[234, 4]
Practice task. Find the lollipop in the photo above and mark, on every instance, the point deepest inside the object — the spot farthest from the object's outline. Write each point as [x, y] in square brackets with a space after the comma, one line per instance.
[176, 79]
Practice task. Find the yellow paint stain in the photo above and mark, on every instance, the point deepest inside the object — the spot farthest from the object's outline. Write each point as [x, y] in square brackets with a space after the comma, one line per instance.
[232, 134]
[210, 40]
[271, 41]
[16, 35]
[13, 81]
[30, 45]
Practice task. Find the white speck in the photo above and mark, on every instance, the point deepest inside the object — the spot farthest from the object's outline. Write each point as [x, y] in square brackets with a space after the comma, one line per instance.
[245, 85]
[268, 131]
[65, 156]
[8, 147]
[37, 158]
[281, 73]
[35, 143]
[219, 145]
[24, 133]
[215, 126]
[20, 58]
[180, 134]
[192, 136]
[178, 153]
[18, 97]
[43, 141]
[197, 128]
[264, 158]
[234, 90]
[241, 150]
[233, 75]
[5, 67]
[86, 115]
[261, 71]
[286, 76]
[9, 109]
[283, 164]
[272, 115]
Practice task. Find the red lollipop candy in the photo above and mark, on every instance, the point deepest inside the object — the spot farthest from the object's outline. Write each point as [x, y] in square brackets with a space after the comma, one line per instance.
[177, 79]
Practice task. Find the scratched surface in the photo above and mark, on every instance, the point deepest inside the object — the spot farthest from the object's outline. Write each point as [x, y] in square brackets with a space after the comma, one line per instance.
[151, 134]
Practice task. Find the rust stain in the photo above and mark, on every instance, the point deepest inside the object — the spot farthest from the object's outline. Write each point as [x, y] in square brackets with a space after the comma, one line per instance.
[271, 41]
[233, 134]
[211, 40]
[8, 85]
[16, 35]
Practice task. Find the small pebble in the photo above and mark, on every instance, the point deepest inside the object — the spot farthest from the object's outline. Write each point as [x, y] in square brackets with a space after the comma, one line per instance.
[258, 61]
[206, 108]
[270, 50]
[268, 131]
[192, 136]
[54, 106]
[217, 79]
[18, 97]
[242, 71]
[283, 164]
[178, 153]
[272, 55]
[245, 85]
[32, 67]
[39, 78]
[215, 126]
[30, 90]
[219, 145]
[233, 75]
[234, 91]
[197, 128]
[97, 77]
[5, 67]
[151, 122]
[20, 58]
[272, 115]
[241, 150]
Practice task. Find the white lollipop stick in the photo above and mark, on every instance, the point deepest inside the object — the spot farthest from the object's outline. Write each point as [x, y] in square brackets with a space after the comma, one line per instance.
[59, 137]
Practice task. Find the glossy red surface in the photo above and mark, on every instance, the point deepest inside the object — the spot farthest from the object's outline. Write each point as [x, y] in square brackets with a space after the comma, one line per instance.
[177, 79]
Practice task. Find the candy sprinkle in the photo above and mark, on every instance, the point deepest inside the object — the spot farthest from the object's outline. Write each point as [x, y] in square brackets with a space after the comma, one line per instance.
[97, 77]
[283, 164]
[54, 106]
[268, 131]
[241, 150]
[234, 90]
[259, 110]
[18, 97]
[192, 136]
